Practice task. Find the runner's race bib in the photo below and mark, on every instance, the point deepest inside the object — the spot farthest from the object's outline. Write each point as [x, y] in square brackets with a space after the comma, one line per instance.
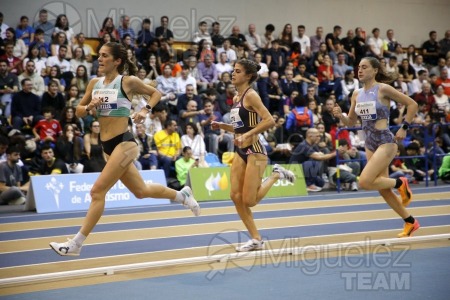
[235, 118]
[366, 110]
[108, 98]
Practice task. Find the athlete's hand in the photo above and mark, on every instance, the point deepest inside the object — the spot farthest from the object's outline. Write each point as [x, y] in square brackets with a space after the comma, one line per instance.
[139, 117]
[400, 135]
[243, 140]
[95, 103]
[215, 125]
[337, 111]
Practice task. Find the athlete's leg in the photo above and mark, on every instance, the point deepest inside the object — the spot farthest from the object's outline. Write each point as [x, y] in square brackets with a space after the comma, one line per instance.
[370, 178]
[115, 167]
[237, 177]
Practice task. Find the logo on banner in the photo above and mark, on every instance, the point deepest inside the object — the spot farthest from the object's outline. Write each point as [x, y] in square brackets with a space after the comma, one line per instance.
[215, 183]
[55, 187]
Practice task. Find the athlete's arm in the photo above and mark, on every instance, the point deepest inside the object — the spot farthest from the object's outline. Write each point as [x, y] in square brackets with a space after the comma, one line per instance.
[85, 103]
[389, 92]
[135, 86]
[351, 119]
[253, 101]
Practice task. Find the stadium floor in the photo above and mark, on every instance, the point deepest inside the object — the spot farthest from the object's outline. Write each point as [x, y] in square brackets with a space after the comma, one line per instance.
[169, 232]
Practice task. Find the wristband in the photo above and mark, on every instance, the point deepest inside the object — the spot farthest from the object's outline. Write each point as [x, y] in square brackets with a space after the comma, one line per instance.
[87, 108]
[148, 107]
[405, 125]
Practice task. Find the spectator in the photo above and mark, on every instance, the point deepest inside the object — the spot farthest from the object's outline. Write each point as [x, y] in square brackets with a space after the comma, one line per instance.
[231, 53]
[444, 45]
[237, 37]
[185, 80]
[275, 58]
[268, 37]
[11, 190]
[168, 145]
[190, 115]
[80, 42]
[25, 107]
[216, 36]
[253, 39]
[430, 49]
[81, 79]
[47, 130]
[163, 31]
[62, 25]
[53, 98]
[390, 44]
[34, 55]
[95, 158]
[202, 33]
[14, 63]
[208, 74]
[36, 80]
[286, 38]
[20, 49]
[68, 117]
[184, 164]
[24, 31]
[147, 155]
[3, 27]
[325, 76]
[349, 84]
[441, 64]
[39, 42]
[223, 66]
[145, 35]
[226, 102]
[9, 85]
[300, 118]
[49, 164]
[349, 171]
[444, 80]
[44, 25]
[61, 61]
[214, 138]
[348, 44]
[312, 159]
[167, 84]
[194, 141]
[69, 147]
[360, 45]
[109, 28]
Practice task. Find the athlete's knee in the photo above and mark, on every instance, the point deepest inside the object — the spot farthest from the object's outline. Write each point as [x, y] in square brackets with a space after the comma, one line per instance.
[365, 183]
[236, 196]
[249, 199]
[98, 193]
[139, 193]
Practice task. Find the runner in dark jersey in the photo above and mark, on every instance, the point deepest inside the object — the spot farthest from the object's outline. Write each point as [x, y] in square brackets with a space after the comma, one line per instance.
[371, 104]
[249, 118]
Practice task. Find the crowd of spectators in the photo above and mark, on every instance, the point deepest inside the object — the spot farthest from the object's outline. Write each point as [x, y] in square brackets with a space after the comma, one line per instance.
[45, 68]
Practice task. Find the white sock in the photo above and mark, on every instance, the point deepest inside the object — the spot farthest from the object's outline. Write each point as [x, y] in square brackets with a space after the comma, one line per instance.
[180, 197]
[79, 239]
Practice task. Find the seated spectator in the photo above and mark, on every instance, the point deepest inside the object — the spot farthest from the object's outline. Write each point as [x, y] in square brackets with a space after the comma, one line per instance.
[325, 75]
[79, 59]
[312, 159]
[48, 164]
[20, 50]
[300, 118]
[183, 165]
[288, 104]
[168, 145]
[54, 74]
[61, 61]
[62, 25]
[349, 84]
[53, 98]
[224, 81]
[79, 42]
[147, 155]
[81, 80]
[24, 31]
[189, 95]
[191, 115]
[36, 79]
[231, 54]
[222, 65]
[324, 143]
[95, 158]
[25, 107]
[398, 168]
[184, 80]
[59, 40]
[225, 102]
[14, 64]
[304, 78]
[34, 55]
[204, 47]
[194, 141]
[444, 80]
[68, 116]
[153, 69]
[208, 74]
[11, 190]
[109, 28]
[69, 147]
[167, 85]
[48, 129]
[73, 96]
[214, 138]
[416, 164]
[349, 171]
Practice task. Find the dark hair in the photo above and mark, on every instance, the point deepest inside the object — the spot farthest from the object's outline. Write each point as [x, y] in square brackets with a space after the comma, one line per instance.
[250, 67]
[48, 109]
[12, 149]
[382, 75]
[343, 142]
[118, 51]
[22, 82]
[186, 149]
[337, 27]
[431, 32]
[300, 101]
[159, 107]
[58, 22]
[14, 39]
[168, 122]
[194, 127]
[270, 27]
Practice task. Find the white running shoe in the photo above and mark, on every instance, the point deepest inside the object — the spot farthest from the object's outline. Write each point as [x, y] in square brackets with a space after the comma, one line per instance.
[190, 202]
[251, 245]
[285, 174]
[69, 248]
[354, 186]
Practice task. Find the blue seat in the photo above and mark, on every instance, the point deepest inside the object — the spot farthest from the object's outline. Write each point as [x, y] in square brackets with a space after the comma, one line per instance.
[213, 160]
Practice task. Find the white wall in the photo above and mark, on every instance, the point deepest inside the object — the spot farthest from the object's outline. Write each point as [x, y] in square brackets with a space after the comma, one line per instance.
[410, 19]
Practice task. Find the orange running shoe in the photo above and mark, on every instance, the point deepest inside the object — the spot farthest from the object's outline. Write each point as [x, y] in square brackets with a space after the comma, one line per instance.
[408, 229]
[405, 192]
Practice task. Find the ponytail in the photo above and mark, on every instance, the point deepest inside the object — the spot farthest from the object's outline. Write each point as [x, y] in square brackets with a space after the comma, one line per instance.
[118, 51]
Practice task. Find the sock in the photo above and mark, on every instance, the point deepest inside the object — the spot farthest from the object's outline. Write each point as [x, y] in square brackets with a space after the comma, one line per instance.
[398, 183]
[409, 219]
[79, 239]
[180, 197]
[281, 174]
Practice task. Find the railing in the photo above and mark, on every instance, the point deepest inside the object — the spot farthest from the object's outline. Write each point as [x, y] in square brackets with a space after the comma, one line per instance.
[427, 141]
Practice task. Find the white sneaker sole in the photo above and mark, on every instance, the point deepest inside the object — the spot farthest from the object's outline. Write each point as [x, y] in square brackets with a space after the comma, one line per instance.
[55, 247]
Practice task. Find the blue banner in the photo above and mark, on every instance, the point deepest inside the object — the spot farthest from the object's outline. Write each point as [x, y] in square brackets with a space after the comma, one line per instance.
[69, 192]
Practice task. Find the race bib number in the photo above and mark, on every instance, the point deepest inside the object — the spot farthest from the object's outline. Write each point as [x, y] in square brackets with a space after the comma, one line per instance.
[108, 98]
[235, 118]
[366, 110]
